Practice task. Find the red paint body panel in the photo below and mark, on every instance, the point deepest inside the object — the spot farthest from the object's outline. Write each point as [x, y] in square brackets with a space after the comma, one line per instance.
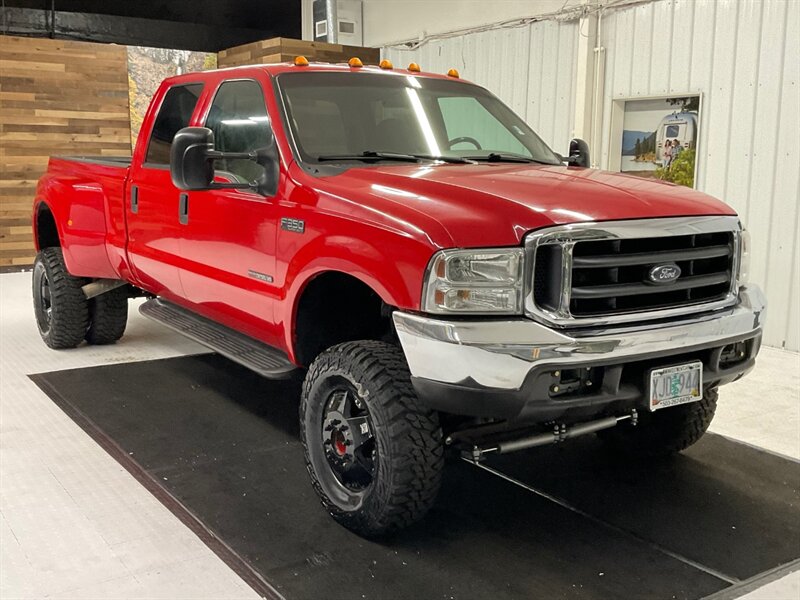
[497, 204]
[380, 224]
[86, 200]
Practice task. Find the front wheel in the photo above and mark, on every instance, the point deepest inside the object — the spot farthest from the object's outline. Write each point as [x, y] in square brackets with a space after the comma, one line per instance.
[374, 454]
[664, 432]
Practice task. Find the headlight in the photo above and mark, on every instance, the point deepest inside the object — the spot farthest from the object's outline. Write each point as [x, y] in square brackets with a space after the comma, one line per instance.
[475, 281]
[744, 257]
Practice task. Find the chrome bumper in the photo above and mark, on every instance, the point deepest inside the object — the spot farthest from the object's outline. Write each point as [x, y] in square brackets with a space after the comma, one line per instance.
[499, 354]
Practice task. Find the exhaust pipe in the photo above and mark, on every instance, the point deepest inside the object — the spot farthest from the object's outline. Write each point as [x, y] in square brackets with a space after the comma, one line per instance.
[560, 433]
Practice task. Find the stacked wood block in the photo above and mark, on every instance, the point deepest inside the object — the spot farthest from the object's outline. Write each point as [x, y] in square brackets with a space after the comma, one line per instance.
[56, 97]
[284, 49]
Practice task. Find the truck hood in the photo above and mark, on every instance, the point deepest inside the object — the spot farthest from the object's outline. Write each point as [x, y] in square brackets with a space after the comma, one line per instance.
[497, 204]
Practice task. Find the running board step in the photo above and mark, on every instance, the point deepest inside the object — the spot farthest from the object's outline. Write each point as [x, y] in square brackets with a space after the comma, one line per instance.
[257, 356]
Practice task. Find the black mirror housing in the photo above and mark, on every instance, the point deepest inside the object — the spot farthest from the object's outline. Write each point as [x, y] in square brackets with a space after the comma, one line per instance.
[192, 157]
[578, 154]
[191, 163]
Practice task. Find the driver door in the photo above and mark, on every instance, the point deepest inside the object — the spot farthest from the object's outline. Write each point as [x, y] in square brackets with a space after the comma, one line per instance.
[228, 239]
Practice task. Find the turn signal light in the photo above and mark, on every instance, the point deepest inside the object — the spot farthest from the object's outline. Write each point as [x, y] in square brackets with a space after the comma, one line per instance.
[355, 62]
[386, 64]
[414, 67]
[452, 73]
[300, 61]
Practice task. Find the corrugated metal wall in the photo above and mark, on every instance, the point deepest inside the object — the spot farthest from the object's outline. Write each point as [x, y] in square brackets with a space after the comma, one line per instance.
[743, 56]
[519, 65]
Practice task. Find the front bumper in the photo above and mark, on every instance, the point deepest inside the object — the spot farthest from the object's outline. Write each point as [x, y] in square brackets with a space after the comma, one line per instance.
[504, 368]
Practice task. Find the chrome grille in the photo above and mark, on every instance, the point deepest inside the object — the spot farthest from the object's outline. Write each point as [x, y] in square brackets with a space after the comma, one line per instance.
[612, 276]
[600, 272]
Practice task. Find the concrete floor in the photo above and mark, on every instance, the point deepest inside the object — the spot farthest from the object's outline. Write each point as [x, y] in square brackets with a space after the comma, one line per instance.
[75, 524]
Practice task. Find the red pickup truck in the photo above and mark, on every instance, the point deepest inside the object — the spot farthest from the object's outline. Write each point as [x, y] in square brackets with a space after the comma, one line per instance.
[409, 245]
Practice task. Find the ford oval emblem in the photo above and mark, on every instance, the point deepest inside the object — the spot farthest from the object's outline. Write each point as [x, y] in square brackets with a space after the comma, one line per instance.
[663, 274]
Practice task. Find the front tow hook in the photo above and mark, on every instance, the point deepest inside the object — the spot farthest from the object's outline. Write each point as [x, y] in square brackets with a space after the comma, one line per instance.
[560, 433]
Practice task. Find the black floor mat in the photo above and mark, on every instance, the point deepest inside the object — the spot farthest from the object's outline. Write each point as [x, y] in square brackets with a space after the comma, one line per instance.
[222, 445]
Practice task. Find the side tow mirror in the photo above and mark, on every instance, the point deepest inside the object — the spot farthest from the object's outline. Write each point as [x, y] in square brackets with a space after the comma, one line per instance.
[578, 153]
[191, 163]
[192, 156]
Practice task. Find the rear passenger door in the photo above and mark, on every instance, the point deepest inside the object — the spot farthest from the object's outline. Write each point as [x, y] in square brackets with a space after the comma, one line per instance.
[153, 201]
[228, 236]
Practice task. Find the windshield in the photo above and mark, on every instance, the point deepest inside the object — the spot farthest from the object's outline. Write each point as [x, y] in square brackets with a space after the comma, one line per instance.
[342, 116]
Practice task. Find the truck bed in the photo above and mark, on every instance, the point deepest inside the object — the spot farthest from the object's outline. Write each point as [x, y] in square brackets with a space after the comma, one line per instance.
[86, 194]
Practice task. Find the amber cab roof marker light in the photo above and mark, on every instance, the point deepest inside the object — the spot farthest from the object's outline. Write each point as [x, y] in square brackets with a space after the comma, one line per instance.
[414, 68]
[453, 73]
[355, 62]
[386, 64]
[300, 61]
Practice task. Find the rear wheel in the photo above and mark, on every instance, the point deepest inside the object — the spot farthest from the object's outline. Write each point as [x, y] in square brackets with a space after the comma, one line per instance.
[374, 454]
[108, 316]
[60, 306]
[664, 432]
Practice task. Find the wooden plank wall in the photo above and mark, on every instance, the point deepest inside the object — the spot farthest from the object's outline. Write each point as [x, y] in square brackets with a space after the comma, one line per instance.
[285, 49]
[56, 97]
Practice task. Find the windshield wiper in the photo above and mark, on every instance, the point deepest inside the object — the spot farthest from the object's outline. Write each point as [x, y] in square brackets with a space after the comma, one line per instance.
[508, 157]
[372, 155]
[448, 159]
[369, 155]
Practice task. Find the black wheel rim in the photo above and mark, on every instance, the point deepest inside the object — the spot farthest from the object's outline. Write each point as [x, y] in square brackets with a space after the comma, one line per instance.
[348, 439]
[45, 303]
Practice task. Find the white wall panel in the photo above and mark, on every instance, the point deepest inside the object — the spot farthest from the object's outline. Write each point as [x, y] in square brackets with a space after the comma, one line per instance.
[388, 22]
[531, 68]
[743, 56]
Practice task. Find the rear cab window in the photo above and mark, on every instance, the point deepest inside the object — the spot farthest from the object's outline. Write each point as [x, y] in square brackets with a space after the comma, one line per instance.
[174, 114]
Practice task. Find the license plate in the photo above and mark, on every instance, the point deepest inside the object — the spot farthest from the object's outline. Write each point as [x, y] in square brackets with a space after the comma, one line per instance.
[671, 386]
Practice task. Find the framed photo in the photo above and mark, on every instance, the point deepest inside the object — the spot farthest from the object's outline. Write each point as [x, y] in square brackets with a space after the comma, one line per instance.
[657, 137]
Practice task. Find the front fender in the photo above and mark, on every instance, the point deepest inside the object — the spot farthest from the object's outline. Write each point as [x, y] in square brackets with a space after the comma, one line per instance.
[397, 281]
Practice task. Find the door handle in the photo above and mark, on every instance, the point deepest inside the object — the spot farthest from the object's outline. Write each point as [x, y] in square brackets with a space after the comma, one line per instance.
[134, 199]
[183, 209]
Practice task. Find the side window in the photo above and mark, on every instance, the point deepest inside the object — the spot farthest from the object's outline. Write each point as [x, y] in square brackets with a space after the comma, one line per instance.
[175, 113]
[465, 117]
[238, 117]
